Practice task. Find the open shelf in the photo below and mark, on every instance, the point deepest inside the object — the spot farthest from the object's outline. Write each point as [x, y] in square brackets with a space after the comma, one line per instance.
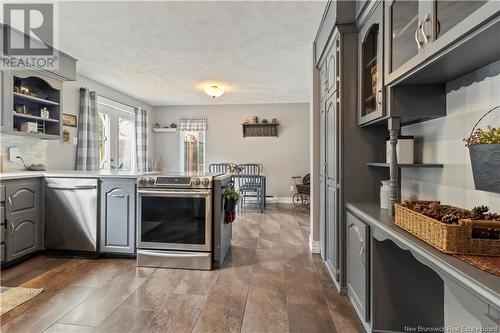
[28, 116]
[36, 135]
[34, 99]
[260, 130]
[414, 165]
[165, 130]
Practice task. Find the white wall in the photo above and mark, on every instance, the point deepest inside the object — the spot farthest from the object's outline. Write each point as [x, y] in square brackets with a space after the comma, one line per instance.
[282, 157]
[56, 154]
[441, 141]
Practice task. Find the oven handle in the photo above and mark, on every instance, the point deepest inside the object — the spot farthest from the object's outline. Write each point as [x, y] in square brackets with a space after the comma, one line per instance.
[183, 194]
[170, 254]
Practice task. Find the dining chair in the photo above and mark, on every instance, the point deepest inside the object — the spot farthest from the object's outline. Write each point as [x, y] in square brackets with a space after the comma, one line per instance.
[249, 182]
[218, 168]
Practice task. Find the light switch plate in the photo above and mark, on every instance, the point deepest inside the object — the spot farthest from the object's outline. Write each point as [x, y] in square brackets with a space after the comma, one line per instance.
[75, 140]
[13, 154]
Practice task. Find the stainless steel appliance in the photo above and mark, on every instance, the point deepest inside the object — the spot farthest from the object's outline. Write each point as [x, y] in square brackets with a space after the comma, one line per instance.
[174, 216]
[71, 214]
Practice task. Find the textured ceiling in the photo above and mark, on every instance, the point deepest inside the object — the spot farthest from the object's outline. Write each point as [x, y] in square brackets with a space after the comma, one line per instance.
[160, 52]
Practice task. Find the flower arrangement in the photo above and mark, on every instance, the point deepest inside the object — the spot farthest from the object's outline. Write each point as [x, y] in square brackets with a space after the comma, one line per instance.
[231, 196]
[490, 135]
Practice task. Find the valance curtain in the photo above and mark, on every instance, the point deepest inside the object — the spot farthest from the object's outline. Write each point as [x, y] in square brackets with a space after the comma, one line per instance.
[87, 154]
[192, 124]
[141, 132]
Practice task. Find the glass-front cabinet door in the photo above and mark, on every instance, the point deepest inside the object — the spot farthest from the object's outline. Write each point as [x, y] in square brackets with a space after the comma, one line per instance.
[404, 40]
[371, 68]
[450, 13]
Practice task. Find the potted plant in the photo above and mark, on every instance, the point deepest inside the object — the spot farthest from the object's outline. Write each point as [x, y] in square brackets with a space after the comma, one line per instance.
[484, 150]
[231, 197]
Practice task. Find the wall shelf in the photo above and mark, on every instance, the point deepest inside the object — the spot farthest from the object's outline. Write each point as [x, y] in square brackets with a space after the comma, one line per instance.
[28, 116]
[34, 99]
[260, 130]
[165, 130]
[414, 165]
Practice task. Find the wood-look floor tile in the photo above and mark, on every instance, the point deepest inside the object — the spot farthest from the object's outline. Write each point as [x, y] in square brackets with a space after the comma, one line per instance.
[197, 283]
[44, 310]
[343, 313]
[177, 314]
[265, 311]
[67, 328]
[301, 277]
[304, 318]
[225, 305]
[265, 255]
[127, 320]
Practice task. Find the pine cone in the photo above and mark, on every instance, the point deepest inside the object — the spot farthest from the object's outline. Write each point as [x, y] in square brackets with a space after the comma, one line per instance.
[450, 219]
[479, 211]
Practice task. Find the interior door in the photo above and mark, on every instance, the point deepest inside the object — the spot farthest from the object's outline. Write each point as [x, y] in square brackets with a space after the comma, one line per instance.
[332, 214]
[322, 179]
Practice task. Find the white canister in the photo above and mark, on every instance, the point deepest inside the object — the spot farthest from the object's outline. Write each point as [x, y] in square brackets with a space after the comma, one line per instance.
[44, 113]
[404, 150]
[29, 127]
[385, 194]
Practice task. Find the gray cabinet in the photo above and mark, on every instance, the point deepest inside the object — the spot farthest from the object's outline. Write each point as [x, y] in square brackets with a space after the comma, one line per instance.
[322, 178]
[117, 216]
[332, 186]
[357, 236]
[23, 231]
[20, 108]
[417, 30]
[371, 64]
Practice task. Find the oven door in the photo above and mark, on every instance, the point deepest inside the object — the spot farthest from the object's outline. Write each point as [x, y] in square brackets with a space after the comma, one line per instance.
[174, 219]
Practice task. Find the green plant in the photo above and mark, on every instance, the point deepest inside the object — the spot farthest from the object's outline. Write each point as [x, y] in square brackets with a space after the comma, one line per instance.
[490, 135]
[232, 194]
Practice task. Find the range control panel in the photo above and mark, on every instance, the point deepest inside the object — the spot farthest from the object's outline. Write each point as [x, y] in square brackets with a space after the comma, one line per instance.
[175, 181]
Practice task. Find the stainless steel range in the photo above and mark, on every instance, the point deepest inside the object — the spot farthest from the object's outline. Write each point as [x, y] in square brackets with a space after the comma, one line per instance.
[174, 215]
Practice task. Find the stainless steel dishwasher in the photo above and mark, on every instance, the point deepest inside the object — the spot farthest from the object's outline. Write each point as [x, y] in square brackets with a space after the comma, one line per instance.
[71, 214]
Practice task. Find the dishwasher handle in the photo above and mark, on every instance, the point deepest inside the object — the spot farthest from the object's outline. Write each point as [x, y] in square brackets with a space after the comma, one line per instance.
[74, 187]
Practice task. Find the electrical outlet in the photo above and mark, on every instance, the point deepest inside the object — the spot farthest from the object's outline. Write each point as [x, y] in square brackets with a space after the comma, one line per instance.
[292, 188]
[13, 154]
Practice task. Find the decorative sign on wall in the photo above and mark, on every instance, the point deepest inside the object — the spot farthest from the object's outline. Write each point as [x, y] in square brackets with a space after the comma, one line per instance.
[69, 120]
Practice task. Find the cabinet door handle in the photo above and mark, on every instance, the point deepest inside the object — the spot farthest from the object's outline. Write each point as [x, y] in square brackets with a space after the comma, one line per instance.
[362, 253]
[427, 19]
[417, 39]
[378, 98]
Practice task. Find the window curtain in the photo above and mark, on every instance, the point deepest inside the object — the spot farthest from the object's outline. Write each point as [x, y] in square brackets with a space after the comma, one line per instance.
[87, 155]
[192, 124]
[141, 132]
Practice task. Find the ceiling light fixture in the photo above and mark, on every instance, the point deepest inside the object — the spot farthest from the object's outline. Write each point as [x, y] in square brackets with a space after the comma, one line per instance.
[214, 90]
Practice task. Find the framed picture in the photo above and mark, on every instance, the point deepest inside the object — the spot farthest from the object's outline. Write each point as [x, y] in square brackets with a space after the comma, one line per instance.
[69, 120]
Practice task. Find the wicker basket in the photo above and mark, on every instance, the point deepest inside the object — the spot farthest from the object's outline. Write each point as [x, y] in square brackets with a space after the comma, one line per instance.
[447, 238]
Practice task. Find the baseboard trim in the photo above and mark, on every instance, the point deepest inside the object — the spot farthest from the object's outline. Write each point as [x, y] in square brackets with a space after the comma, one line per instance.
[314, 246]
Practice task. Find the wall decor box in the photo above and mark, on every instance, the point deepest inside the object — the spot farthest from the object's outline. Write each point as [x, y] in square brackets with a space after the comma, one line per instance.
[69, 120]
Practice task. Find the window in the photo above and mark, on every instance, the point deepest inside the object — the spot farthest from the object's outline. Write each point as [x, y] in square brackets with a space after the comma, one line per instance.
[116, 135]
[192, 151]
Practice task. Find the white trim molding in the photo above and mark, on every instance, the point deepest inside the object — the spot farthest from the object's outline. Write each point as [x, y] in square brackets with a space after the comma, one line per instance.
[314, 246]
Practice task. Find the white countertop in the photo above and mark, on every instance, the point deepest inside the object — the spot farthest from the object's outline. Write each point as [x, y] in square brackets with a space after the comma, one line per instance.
[70, 174]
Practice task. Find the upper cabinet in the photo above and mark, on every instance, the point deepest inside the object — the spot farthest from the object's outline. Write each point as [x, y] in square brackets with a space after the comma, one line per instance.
[420, 31]
[31, 104]
[371, 52]
[404, 41]
[329, 69]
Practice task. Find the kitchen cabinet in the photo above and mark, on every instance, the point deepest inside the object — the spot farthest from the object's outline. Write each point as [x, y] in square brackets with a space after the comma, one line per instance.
[357, 236]
[332, 186]
[22, 217]
[371, 52]
[417, 30]
[117, 216]
[322, 178]
[19, 108]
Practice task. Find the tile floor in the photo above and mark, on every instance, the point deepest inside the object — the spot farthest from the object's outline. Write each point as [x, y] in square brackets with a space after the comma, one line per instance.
[270, 283]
